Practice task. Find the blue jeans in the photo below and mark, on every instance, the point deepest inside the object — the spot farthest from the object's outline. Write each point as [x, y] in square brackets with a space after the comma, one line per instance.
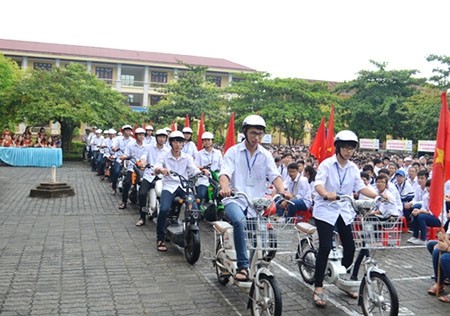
[237, 217]
[166, 201]
[299, 205]
[421, 222]
[115, 171]
[202, 192]
[445, 262]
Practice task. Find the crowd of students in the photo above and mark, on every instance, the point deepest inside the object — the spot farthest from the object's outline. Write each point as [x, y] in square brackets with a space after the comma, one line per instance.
[403, 180]
[25, 139]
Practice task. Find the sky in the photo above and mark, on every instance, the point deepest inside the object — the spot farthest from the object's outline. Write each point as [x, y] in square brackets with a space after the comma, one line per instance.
[328, 40]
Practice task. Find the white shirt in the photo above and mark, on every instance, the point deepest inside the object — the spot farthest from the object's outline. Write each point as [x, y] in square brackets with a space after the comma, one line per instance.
[334, 178]
[152, 158]
[149, 140]
[418, 195]
[302, 191]
[398, 200]
[248, 174]
[405, 189]
[190, 148]
[183, 165]
[389, 208]
[96, 142]
[214, 157]
[137, 152]
[121, 142]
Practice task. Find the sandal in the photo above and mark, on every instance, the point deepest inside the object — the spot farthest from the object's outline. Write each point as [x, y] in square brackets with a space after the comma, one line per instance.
[432, 290]
[445, 298]
[241, 275]
[319, 299]
[161, 246]
[352, 294]
[122, 206]
[140, 222]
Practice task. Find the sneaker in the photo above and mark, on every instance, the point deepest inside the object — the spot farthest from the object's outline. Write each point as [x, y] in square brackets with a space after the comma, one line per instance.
[419, 242]
[412, 240]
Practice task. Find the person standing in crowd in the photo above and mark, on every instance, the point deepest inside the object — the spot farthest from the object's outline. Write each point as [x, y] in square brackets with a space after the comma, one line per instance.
[118, 148]
[336, 175]
[247, 167]
[208, 156]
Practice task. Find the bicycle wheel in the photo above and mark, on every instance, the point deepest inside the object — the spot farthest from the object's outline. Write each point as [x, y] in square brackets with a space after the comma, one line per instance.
[306, 261]
[223, 276]
[192, 246]
[265, 300]
[385, 298]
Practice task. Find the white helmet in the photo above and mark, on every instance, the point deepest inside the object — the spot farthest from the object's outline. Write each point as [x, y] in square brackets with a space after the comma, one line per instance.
[254, 121]
[207, 135]
[139, 130]
[187, 130]
[127, 127]
[346, 136]
[176, 134]
[168, 129]
[98, 131]
[161, 132]
[149, 128]
[112, 131]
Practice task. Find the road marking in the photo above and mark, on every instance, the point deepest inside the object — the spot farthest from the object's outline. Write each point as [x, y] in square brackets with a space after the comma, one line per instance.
[220, 292]
[329, 299]
[403, 311]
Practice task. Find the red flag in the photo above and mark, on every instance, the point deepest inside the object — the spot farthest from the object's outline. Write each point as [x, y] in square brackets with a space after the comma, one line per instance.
[441, 165]
[329, 143]
[316, 148]
[201, 129]
[173, 127]
[230, 140]
[186, 123]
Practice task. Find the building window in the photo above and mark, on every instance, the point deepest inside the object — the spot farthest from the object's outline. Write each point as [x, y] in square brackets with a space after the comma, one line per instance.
[159, 76]
[127, 80]
[104, 73]
[217, 80]
[154, 99]
[130, 99]
[237, 79]
[43, 66]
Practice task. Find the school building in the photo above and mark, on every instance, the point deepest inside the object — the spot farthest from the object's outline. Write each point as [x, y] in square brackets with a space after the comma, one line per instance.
[135, 74]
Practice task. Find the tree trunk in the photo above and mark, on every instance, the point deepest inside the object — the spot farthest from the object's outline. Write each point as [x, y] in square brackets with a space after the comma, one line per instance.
[66, 136]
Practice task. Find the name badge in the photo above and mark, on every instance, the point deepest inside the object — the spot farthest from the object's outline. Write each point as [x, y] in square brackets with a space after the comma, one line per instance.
[250, 182]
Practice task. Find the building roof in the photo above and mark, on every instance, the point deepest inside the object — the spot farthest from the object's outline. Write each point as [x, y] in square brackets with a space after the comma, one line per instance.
[116, 54]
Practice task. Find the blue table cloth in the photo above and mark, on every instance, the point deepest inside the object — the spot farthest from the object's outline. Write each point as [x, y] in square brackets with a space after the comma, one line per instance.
[31, 157]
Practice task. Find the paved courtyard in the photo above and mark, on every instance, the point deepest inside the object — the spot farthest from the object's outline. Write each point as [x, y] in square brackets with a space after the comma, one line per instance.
[81, 255]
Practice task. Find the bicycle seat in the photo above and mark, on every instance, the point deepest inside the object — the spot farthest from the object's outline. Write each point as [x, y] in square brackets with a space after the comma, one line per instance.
[306, 228]
[222, 226]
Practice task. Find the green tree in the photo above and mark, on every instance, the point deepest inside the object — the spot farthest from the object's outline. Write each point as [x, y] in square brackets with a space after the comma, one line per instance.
[422, 114]
[376, 105]
[9, 76]
[286, 104]
[441, 75]
[69, 96]
[189, 94]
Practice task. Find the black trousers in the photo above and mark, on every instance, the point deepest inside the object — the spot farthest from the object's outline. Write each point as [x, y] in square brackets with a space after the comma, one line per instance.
[126, 186]
[143, 190]
[326, 232]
